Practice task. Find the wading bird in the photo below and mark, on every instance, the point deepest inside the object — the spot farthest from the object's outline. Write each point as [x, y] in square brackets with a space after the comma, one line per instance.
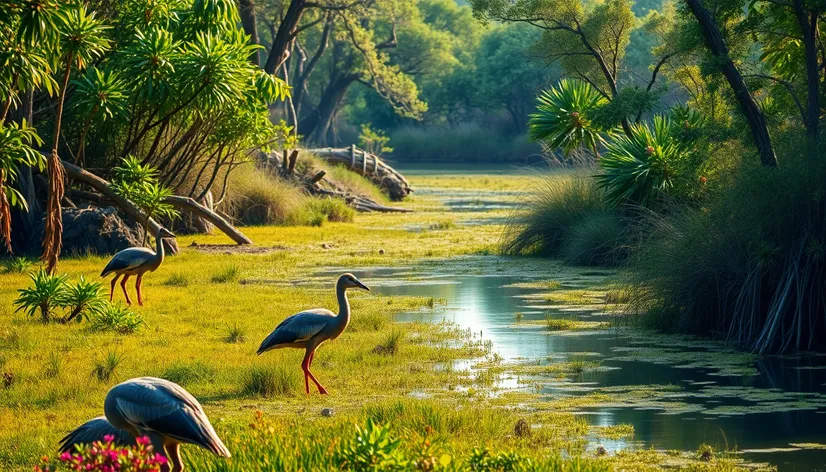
[165, 413]
[135, 261]
[95, 430]
[310, 328]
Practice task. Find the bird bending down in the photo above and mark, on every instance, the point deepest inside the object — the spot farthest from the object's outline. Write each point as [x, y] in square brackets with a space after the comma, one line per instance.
[310, 328]
[164, 412]
[135, 261]
[95, 430]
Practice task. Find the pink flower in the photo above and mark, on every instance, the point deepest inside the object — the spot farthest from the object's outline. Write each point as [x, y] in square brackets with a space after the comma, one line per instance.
[109, 438]
[66, 456]
[143, 440]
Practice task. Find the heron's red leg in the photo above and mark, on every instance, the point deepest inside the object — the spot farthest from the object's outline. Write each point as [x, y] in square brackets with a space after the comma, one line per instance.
[305, 366]
[123, 286]
[138, 289]
[321, 388]
[112, 289]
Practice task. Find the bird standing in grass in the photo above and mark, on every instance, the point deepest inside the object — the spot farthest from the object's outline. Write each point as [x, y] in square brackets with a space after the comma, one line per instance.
[135, 261]
[165, 413]
[308, 329]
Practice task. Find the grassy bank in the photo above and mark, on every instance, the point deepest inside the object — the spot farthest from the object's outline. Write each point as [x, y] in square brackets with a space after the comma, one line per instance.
[208, 309]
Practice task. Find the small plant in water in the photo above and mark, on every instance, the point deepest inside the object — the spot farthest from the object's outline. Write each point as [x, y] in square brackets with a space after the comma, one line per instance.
[82, 299]
[106, 456]
[45, 294]
[558, 324]
[17, 265]
[705, 452]
[235, 334]
[104, 368]
[391, 343]
[116, 317]
[518, 316]
[228, 274]
[443, 225]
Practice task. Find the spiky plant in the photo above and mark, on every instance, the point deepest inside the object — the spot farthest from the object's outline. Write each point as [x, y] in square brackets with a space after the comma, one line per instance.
[100, 94]
[16, 150]
[17, 265]
[45, 294]
[642, 167]
[116, 317]
[563, 117]
[83, 300]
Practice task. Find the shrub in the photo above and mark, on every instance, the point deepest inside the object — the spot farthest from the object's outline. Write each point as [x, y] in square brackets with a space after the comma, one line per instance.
[16, 265]
[177, 280]
[106, 456]
[749, 266]
[564, 114]
[568, 218]
[372, 448]
[269, 381]
[334, 210]
[46, 293]
[116, 317]
[256, 197]
[390, 345]
[83, 300]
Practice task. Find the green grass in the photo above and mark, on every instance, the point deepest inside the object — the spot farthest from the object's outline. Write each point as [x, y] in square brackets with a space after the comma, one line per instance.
[228, 274]
[206, 335]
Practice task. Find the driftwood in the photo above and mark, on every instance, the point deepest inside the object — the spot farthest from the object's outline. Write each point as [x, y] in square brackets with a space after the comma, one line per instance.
[76, 173]
[318, 184]
[370, 166]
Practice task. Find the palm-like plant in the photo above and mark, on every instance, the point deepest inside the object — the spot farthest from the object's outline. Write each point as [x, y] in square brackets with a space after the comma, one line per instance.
[45, 294]
[15, 150]
[83, 300]
[100, 93]
[138, 183]
[563, 117]
[643, 166]
[82, 39]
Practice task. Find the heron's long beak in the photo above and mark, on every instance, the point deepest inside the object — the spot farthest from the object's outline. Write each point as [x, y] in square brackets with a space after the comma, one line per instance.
[361, 285]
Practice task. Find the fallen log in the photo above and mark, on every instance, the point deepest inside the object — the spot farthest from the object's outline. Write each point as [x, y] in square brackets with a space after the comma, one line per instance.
[76, 173]
[369, 166]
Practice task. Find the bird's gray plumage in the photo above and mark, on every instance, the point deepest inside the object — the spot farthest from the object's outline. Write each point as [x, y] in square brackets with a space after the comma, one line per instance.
[130, 258]
[158, 407]
[94, 430]
[309, 328]
[297, 328]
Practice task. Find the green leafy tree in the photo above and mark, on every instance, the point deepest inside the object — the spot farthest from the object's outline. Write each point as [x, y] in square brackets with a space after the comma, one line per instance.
[138, 183]
[16, 150]
[102, 94]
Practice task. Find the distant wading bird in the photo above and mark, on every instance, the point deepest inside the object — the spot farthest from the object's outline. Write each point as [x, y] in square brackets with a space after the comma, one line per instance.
[310, 328]
[135, 261]
[164, 412]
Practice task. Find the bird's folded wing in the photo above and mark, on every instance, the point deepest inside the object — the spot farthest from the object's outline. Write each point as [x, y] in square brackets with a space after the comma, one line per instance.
[94, 430]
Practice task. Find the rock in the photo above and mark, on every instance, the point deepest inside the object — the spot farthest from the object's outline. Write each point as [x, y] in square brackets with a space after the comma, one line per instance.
[326, 246]
[327, 412]
[90, 229]
[381, 252]
[601, 451]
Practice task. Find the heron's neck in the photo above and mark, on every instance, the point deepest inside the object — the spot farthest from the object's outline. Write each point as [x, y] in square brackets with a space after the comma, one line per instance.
[343, 303]
[159, 247]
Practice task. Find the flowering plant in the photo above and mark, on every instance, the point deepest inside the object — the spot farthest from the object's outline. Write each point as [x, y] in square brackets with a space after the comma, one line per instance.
[106, 456]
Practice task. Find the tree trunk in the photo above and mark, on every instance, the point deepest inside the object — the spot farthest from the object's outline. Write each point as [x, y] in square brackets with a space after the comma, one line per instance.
[808, 26]
[717, 45]
[317, 122]
[285, 34]
[246, 9]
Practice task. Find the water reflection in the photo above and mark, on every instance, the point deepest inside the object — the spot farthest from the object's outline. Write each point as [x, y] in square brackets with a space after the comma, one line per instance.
[489, 303]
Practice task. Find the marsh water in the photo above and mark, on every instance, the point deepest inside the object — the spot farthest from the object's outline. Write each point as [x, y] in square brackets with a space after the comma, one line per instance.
[677, 392]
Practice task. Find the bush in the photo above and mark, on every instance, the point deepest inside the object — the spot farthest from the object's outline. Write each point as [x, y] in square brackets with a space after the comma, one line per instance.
[116, 317]
[46, 293]
[256, 197]
[749, 266]
[16, 265]
[568, 218]
[83, 299]
[334, 210]
[371, 449]
[104, 368]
